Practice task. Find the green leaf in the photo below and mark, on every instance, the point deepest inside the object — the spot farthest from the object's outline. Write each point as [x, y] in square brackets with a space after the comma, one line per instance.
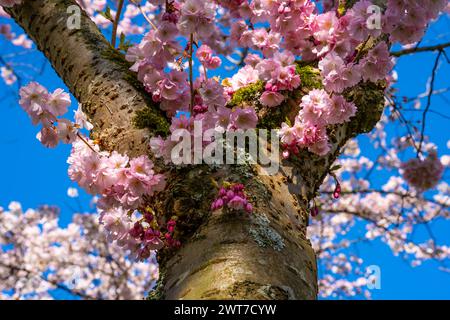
[107, 14]
[336, 167]
[124, 44]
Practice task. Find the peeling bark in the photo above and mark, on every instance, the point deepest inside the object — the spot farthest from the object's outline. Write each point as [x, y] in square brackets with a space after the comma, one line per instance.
[224, 255]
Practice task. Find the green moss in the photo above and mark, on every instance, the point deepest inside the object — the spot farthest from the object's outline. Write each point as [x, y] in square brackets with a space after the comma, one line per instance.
[369, 98]
[273, 118]
[309, 76]
[152, 119]
[157, 293]
[247, 94]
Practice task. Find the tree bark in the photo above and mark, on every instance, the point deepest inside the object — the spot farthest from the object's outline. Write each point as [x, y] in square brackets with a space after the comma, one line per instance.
[226, 255]
[95, 73]
[223, 255]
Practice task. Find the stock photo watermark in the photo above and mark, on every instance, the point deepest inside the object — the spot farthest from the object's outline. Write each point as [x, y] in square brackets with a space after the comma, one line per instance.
[373, 277]
[249, 146]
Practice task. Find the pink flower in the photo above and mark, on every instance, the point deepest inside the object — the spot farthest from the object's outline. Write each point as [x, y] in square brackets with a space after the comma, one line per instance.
[206, 58]
[245, 76]
[237, 203]
[67, 132]
[214, 63]
[166, 31]
[33, 98]
[48, 136]
[152, 239]
[377, 64]
[423, 174]
[58, 102]
[212, 94]
[81, 119]
[204, 54]
[271, 98]
[315, 106]
[332, 67]
[326, 24]
[197, 16]
[321, 147]
[340, 110]
[243, 119]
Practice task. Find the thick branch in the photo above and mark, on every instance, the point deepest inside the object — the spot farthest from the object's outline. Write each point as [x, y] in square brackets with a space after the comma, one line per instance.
[94, 72]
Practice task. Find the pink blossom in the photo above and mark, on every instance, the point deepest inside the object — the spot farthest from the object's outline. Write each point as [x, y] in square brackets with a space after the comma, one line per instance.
[212, 94]
[197, 17]
[204, 54]
[315, 106]
[377, 64]
[423, 174]
[58, 102]
[271, 98]
[67, 132]
[340, 110]
[48, 136]
[243, 118]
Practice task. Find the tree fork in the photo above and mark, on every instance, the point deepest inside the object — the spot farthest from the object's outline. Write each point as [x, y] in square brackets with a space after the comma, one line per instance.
[265, 255]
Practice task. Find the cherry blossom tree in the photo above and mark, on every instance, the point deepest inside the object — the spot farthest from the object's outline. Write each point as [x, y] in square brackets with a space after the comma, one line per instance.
[318, 74]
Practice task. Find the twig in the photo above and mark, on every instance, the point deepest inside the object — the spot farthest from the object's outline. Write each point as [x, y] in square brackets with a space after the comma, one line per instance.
[404, 52]
[85, 142]
[431, 89]
[116, 23]
[146, 17]
[191, 76]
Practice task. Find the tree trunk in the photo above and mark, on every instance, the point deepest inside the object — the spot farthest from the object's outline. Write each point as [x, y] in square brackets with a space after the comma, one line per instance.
[226, 255]
[265, 255]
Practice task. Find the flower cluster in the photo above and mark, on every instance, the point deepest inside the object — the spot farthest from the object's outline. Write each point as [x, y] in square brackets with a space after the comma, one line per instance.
[138, 234]
[39, 256]
[318, 110]
[122, 182]
[406, 21]
[423, 174]
[46, 108]
[279, 74]
[208, 122]
[151, 56]
[233, 197]
[206, 57]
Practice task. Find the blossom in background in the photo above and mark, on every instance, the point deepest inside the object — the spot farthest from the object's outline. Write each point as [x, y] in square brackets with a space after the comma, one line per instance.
[72, 192]
[44, 252]
[423, 174]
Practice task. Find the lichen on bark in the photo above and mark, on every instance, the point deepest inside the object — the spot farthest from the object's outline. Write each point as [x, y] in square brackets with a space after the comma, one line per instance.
[221, 257]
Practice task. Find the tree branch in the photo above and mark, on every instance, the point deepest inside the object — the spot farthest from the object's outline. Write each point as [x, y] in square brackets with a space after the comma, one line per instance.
[404, 52]
[94, 72]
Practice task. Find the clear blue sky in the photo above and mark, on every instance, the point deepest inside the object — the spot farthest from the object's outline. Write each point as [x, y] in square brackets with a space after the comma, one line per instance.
[35, 175]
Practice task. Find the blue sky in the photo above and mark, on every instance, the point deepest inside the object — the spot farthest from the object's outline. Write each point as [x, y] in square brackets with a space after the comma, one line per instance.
[34, 175]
